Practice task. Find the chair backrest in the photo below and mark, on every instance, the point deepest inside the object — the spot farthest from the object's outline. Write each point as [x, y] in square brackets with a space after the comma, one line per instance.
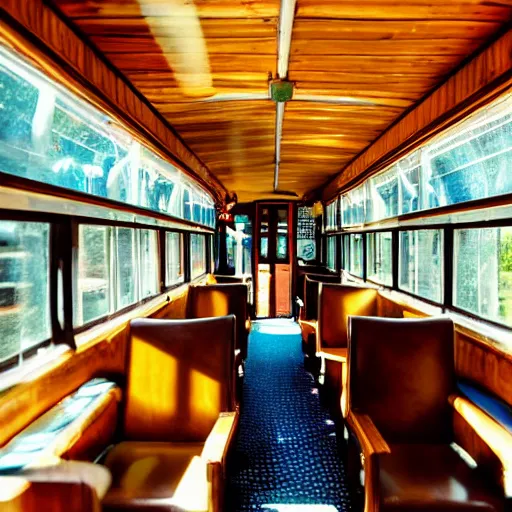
[335, 304]
[311, 289]
[401, 373]
[181, 375]
[221, 300]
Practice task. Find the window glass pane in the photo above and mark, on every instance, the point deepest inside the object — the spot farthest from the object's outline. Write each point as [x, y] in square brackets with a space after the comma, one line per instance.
[197, 255]
[472, 159]
[354, 206]
[331, 253]
[379, 258]
[24, 286]
[126, 268]
[331, 215]
[384, 195]
[51, 136]
[148, 263]
[421, 263]
[346, 252]
[306, 240]
[239, 245]
[483, 272]
[282, 234]
[175, 258]
[356, 255]
[409, 177]
[94, 285]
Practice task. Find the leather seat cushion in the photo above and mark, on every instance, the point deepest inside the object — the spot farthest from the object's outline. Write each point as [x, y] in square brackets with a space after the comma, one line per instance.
[433, 477]
[156, 476]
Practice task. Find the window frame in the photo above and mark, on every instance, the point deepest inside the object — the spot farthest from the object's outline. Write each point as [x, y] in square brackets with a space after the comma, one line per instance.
[193, 279]
[59, 257]
[163, 263]
[447, 261]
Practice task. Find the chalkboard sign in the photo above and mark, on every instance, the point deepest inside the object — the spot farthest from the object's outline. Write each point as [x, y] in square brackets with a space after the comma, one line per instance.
[306, 242]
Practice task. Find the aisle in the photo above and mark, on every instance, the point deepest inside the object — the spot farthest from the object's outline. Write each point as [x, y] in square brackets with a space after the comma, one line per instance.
[286, 453]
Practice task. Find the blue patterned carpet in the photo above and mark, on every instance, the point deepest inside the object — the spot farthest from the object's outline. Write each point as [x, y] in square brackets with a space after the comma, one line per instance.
[286, 456]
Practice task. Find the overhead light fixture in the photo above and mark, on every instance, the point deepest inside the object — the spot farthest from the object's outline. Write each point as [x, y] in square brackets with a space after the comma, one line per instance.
[286, 17]
[281, 90]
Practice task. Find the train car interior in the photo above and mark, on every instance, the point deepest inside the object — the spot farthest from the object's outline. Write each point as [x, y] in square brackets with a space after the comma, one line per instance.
[256, 255]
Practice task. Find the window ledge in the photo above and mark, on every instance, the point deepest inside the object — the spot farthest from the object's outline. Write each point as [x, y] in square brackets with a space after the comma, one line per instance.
[35, 366]
[493, 336]
[110, 328]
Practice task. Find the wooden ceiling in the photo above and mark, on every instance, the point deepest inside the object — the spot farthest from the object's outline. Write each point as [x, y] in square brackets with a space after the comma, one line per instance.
[387, 53]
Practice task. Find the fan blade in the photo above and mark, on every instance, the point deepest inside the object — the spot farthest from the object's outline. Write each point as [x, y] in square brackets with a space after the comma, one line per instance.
[236, 96]
[337, 100]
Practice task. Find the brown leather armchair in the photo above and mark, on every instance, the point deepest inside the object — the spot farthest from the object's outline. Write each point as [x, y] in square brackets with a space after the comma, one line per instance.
[219, 300]
[308, 313]
[335, 304]
[400, 377]
[180, 417]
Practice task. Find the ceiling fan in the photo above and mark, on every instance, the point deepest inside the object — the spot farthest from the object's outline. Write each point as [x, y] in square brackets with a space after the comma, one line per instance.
[192, 68]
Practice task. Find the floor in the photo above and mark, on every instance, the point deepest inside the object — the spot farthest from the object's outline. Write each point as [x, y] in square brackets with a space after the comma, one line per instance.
[286, 455]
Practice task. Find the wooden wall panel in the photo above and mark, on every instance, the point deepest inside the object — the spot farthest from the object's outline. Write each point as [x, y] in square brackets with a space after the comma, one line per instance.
[492, 66]
[94, 80]
[102, 355]
[484, 364]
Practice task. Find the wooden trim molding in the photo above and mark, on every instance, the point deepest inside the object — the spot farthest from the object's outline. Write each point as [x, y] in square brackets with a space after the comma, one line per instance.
[37, 32]
[485, 77]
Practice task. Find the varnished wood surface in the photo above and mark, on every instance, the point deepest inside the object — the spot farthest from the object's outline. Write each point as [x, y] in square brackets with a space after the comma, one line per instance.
[388, 53]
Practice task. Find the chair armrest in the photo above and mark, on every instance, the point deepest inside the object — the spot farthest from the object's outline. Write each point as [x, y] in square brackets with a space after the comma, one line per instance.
[218, 441]
[373, 446]
[215, 453]
[67, 485]
[497, 438]
[371, 440]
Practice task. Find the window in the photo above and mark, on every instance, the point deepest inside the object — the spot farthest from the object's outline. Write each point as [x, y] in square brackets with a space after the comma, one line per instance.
[106, 255]
[264, 230]
[483, 272]
[126, 267]
[197, 255]
[282, 235]
[239, 246]
[379, 258]
[472, 159]
[354, 206]
[409, 174]
[331, 216]
[24, 286]
[346, 252]
[174, 259]
[384, 195]
[149, 284]
[355, 266]
[51, 136]
[331, 253]
[420, 263]
[94, 274]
